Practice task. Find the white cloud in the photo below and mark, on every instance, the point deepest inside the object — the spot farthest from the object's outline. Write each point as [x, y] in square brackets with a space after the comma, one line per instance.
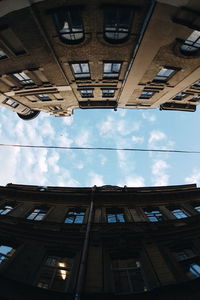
[103, 159]
[82, 139]
[137, 139]
[96, 179]
[133, 181]
[194, 177]
[155, 136]
[68, 120]
[159, 168]
[148, 116]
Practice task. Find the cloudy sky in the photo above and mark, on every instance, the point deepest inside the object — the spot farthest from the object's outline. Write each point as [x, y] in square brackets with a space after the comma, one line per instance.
[149, 129]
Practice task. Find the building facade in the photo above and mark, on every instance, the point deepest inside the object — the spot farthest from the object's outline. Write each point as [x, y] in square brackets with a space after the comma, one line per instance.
[64, 55]
[99, 243]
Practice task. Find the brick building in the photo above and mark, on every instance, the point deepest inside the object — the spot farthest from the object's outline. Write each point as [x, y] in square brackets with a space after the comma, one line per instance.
[56, 56]
[99, 243]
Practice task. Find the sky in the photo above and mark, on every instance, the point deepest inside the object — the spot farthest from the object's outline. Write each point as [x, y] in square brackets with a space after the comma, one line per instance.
[126, 128]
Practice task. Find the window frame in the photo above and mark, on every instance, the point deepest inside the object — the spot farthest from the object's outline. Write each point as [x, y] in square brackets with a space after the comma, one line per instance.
[15, 103]
[164, 80]
[77, 213]
[38, 214]
[77, 9]
[4, 205]
[118, 29]
[43, 100]
[106, 74]
[87, 94]
[76, 75]
[7, 256]
[191, 44]
[115, 214]
[142, 96]
[24, 81]
[180, 96]
[181, 210]
[3, 55]
[107, 94]
[149, 213]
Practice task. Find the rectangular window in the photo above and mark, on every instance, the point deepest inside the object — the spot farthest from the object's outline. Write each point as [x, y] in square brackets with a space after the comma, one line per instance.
[6, 209]
[195, 99]
[55, 273]
[43, 97]
[189, 262]
[197, 84]
[108, 93]
[111, 70]
[11, 102]
[164, 74]
[23, 78]
[179, 213]
[5, 253]
[196, 207]
[180, 96]
[2, 54]
[115, 215]
[38, 214]
[87, 93]
[75, 216]
[127, 276]
[81, 70]
[154, 215]
[146, 94]
[12, 41]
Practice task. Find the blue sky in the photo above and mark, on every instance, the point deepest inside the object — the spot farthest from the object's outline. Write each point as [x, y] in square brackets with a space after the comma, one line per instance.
[150, 129]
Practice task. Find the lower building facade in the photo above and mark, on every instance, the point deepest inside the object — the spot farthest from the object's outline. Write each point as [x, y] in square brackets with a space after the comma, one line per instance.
[103, 242]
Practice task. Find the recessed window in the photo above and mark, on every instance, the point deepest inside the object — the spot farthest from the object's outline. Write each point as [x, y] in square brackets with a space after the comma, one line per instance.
[75, 216]
[6, 209]
[43, 97]
[23, 78]
[197, 84]
[11, 102]
[81, 70]
[127, 276]
[195, 99]
[2, 54]
[164, 74]
[179, 213]
[111, 70]
[87, 93]
[55, 273]
[69, 24]
[196, 207]
[180, 96]
[192, 44]
[154, 215]
[11, 41]
[108, 93]
[38, 214]
[117, 23]
[5, 253]
[189, 262]
[115, 215]
[146, 94]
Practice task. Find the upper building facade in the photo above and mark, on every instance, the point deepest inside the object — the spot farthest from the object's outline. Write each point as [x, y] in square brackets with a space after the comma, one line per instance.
[99, 243]
[56, 56]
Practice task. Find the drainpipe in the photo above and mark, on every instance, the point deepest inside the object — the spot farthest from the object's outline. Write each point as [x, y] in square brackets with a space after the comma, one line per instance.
[142, 32]
[82, 267]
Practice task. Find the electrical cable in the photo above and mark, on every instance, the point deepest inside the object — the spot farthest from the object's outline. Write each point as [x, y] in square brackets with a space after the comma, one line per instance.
[101, 148]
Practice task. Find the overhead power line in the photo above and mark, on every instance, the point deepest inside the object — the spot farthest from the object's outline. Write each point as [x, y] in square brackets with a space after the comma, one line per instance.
[101, 148]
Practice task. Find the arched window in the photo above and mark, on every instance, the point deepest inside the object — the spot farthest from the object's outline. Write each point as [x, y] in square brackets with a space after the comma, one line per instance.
[69, 24]
[192, 44]
[117, 23]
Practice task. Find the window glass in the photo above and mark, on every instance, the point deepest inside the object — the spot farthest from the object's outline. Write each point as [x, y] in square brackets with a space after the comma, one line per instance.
[55, 273]
[180, 96]
[192, 44]
[115, 215]
[81, 70]
[197, 208]
[111, 70]
[69, 24]
[164, 74]
[6, 209]
[179, 213]
[11, 102]
[6, 252]
[23, 78]
[43, 97]
[38, 214]
[154, 215]
[146, 94]
[87, 93]
[75, 216]
[2, 54]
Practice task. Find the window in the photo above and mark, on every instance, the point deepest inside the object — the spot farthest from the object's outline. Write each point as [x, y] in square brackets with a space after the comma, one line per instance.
[192, 44]
[23, 78]
[115, 215]
[55, 273]
[2, 54]
[196, 207]
[127, 276]
[6, 209]
[180, 96]
[154, 215]
[69, 24]
[164, 74]
[189, 262]
[11, 41]
[75, 216]
[87, 93]
[146, 94]
[43, 97]
[81, 70]
[111, 70]
[195, 99]
[108, 93]
[197, 84]
[38, 214]
[179, 213]
[11, 102]
[117, 23]
[5, 253]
